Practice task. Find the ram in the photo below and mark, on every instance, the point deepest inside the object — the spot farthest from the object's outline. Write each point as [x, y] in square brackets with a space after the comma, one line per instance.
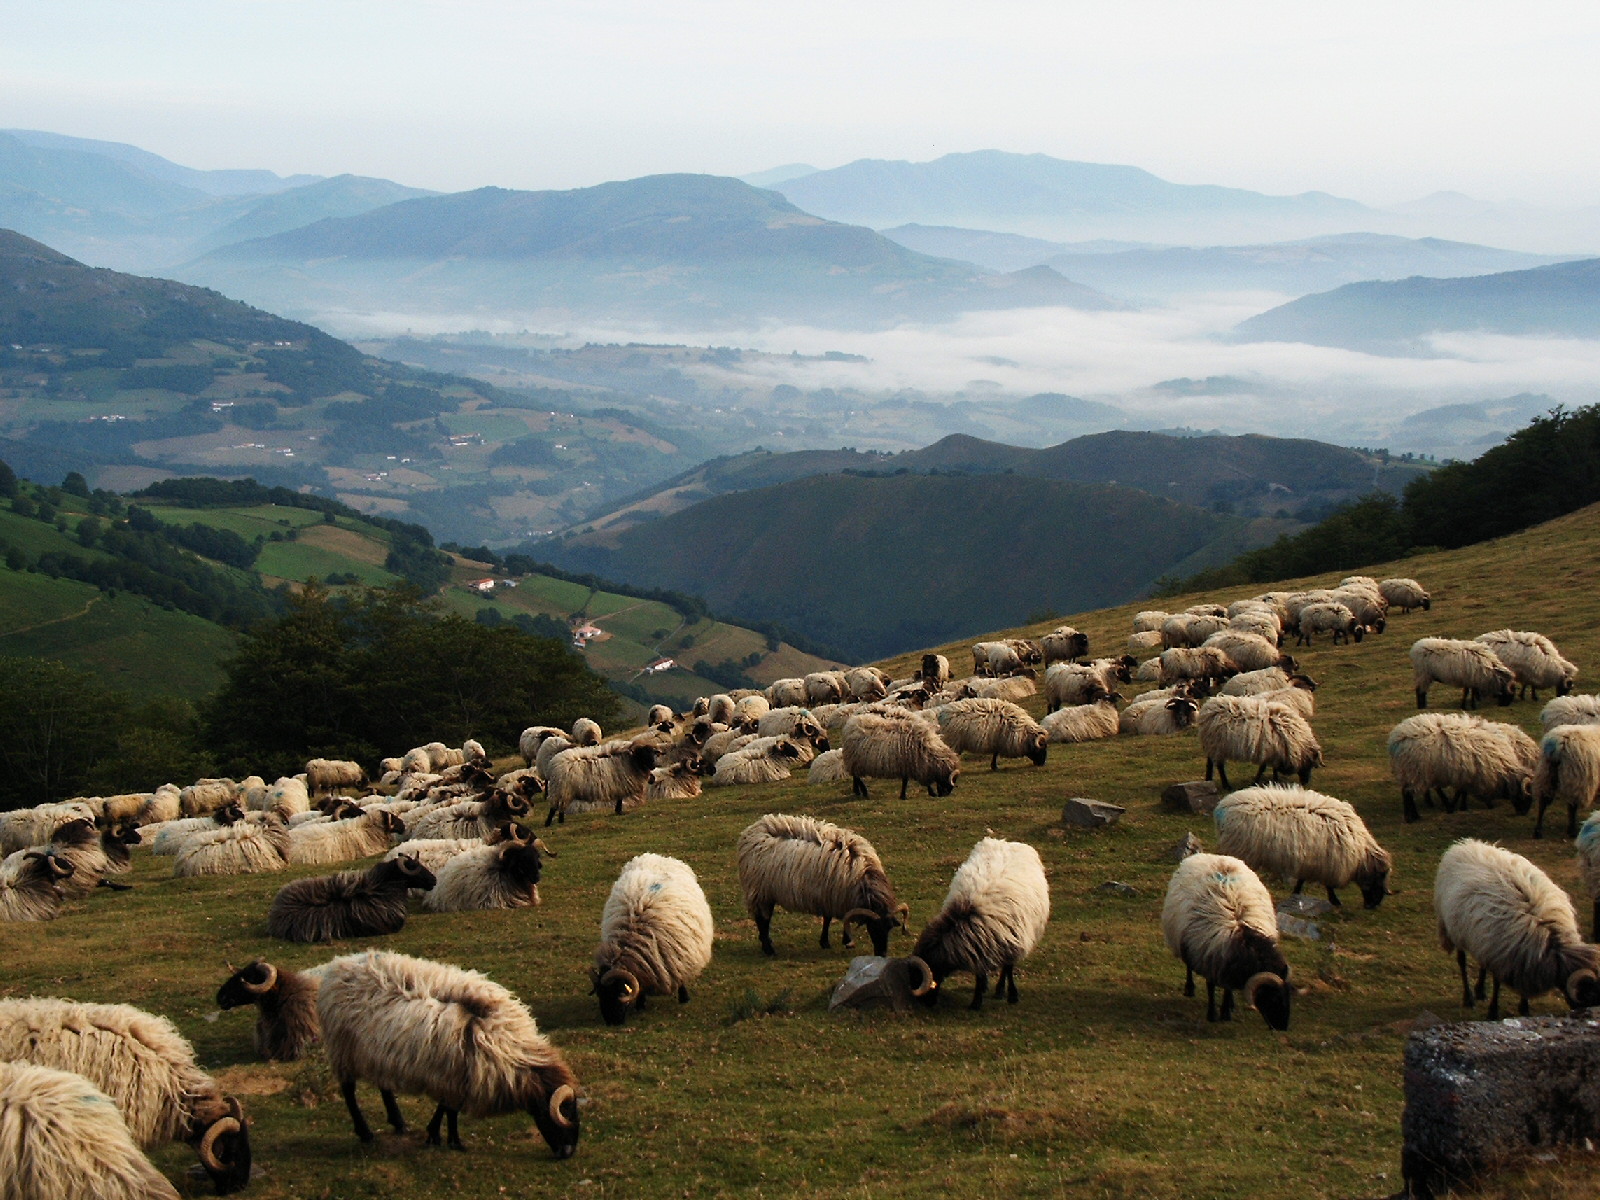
[1218, 920]
[1438, 751]
[655, 936]
[350, 904]
[593, 777]
[997, 728]
[286, 1002]
[1305, 836]
[30, 886]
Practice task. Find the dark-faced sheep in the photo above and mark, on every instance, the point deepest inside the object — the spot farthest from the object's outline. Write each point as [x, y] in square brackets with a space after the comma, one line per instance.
[1255, 729]
[1295, 833]
[286, 1002]
[1439, 751]
[350, 904]
[996, 728]
[1568, 771]
[1218, 920]
[897, 745]
[1533, 660]
[655, 936]
[1470, 666]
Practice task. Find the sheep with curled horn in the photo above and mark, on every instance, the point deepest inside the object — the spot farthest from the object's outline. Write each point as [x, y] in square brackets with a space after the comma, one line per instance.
[1218, 920]
[287, 1025]
[30, 886]
[655, 936]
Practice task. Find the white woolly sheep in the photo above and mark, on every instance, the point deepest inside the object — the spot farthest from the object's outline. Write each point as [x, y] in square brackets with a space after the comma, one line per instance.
[147, 1069]
[1569, 771]
[865, 683]
[1253, 729]
[1305, 836]
[592, 777]
[1499, 909]
[1140, 642]
[1083, 722]
[1218, 920]
[25, 827]
[503, 874]
[1084, 683]
[1264, 625]
[1328, 617]
[1405, 594]
[793, 722]
[1201, 665]
[765, 760]
[659, 714]
[810, 866]
[993, 916]
[30, 886]
[243, 848]
[677, 781]
[1249, 651]
[1470, 666]
[826, 687]
[344, 841]
[1149, 671]
[1064, 644]
[468, 818]
[410, 1025]
[750, 708]
[1487, 759]
[827, 767]
[1570, 710]
[1533, 660]
[997, 728]
[65, 1139]
[1302, 700]
[323, 775]
[78, 844]
[169, 837]
[534, 736]
[1012, 688]
[1588, 847]
[935, 670]
[655, 936]
[1149, 621]
[164, 804]
[1169, 715]
[1254, 683]
[897, 745]
[786, 693]
[206, 796]
[287, 796]
[1190, 629]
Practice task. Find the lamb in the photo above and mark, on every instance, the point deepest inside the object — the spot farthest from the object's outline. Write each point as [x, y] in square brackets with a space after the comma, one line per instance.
[1305, 836]
[1568, 770]
[1249, 651]
[502, 875]
[1470, 666]
[811, 866]
[1588, 847]
[1162, 717]
[1405, 594]
[1203, 665]
[897, 746]
[935, 670]
[323, 775]
[1533, 660]
[30, 886]
[1064, 644]
[995, 728]
[243, 848]
[1083, 722]
[344, 841]
[1253, 683]
[655, 936]
[592, 777]
[1333, 618]
[287, 1025]
[993, 916]
[469, 818]
[350, 904]
[1487, 759]
[64, 1139]
[1218, 920]
[1500, 909]
[766, 760]
[1254, 729]
[147, 1069]
[35, 826]
[410, 1025]
[207, 795]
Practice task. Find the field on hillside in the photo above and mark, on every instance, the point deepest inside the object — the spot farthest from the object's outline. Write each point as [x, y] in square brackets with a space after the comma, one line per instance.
[1103, 1081]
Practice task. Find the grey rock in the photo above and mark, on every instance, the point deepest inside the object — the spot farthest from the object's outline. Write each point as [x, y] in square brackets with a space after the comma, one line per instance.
[1304, 906]
[1182, 850]
[1196, 796]
[1090, 814]
[1481, 1094]
[1113, 888]
[871, 982]
[1298, 927]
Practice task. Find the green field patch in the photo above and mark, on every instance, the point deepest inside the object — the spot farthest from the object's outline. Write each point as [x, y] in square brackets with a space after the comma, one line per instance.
[257, 520]
[490, 424]
[28, 600]
[301, 560]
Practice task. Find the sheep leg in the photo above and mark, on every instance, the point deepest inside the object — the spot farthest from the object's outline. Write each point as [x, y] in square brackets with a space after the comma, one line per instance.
[1299, 886]
[1210, 769]
[858, 787]
[1211, 1001]
[357, 1119]
[1260, 771]
[1522, 1008]
[1188, 977]
[1594, 924]
[391, 1110]
[1466, 988]
[994, 763]
[1227, 1004]
[1409, 803]
[435, 1124]
[1422, 697]
[1011, 984]
[683, 993]
[1222, 775]
[1494, 1003]
[827, 923]
[764, 928]
[1538, 825]
[904, 780]
[1572, 821]
[978, 991]
[550, 816]
[1333, 899]
[1482, 973]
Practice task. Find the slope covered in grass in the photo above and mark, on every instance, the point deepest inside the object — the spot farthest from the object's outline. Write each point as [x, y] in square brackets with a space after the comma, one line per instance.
[1103, 1081]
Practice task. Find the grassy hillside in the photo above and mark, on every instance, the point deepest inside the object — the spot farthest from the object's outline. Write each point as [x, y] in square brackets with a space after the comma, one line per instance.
[1104, 1081]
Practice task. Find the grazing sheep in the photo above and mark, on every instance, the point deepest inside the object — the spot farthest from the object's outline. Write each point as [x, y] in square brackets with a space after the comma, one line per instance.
[810, 866]
[1063, 644]
[1256, 730]
[826, 687]
[593, 777]
[1370, 610]
[30, 886]
[866, 684]
[1332, 618]
[1470, 666]
[1588, 847]
[1533, 660]
[61, 1138]
[994, 658]
[1273, 679]
[1201, 665]
[344, 841]
[827, 767]
[1305, 836]
[1302, 700]
[410, 1025]
[25, 827]
[1405, 594]
[1569, 771]
[993, 916]
[993, 727]
[655, 936]
[147, 1069]
[207, 795]
[1190, 629]
[1570, 710]
[897, 745]
[719, 709]
[323, 775]
[1487, 759]
[786, 693]
[1218, 920]
[1171, 715]
[766, 760]
[1498, 908]
[677, 781]
[469, 818]
[1149, 671]
[1083, 722]
[935, 670]
[286, 1001]
[243, 848]
[500, 875]
[1249, 651]
[350, 904]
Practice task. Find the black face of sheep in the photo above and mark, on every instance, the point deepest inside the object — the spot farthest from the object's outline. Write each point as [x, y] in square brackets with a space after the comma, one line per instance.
[1270, 995]
[1374, 886]
[1582, 989]
[225, 1151]
[944, 784]
[557, 1119]
[1039, 750]
[618, 991]
[1183, 711]
[644, 758]
[406, 867]
[247, 985]
[877, 925]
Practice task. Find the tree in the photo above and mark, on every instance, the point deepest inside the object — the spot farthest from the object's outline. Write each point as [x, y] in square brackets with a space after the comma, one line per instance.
[75, 485]
[55, 725]
[8, 481]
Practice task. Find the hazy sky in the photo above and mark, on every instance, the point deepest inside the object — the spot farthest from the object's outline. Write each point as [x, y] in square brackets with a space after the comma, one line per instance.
[1378, 101]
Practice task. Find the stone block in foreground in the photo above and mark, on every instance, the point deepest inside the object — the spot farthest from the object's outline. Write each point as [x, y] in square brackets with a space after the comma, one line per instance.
[1482, 1094]
[1196, 796]
[1090, 814]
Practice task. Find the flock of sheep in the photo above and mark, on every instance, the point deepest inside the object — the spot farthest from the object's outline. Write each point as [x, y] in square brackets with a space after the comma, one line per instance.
[450, 832]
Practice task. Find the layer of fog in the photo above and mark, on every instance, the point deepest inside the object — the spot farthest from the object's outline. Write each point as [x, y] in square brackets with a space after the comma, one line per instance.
[1283, 389]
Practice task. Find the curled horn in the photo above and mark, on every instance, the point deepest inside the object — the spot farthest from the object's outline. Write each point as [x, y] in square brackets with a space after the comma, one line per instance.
[559, 1097]
[928, 984]
[861, 914]
[266, 985]
[208, 1144]
[630, 983]
[1575, 980]
[58, 867]
[538, 844]
[1258, 981]
[902, 913]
